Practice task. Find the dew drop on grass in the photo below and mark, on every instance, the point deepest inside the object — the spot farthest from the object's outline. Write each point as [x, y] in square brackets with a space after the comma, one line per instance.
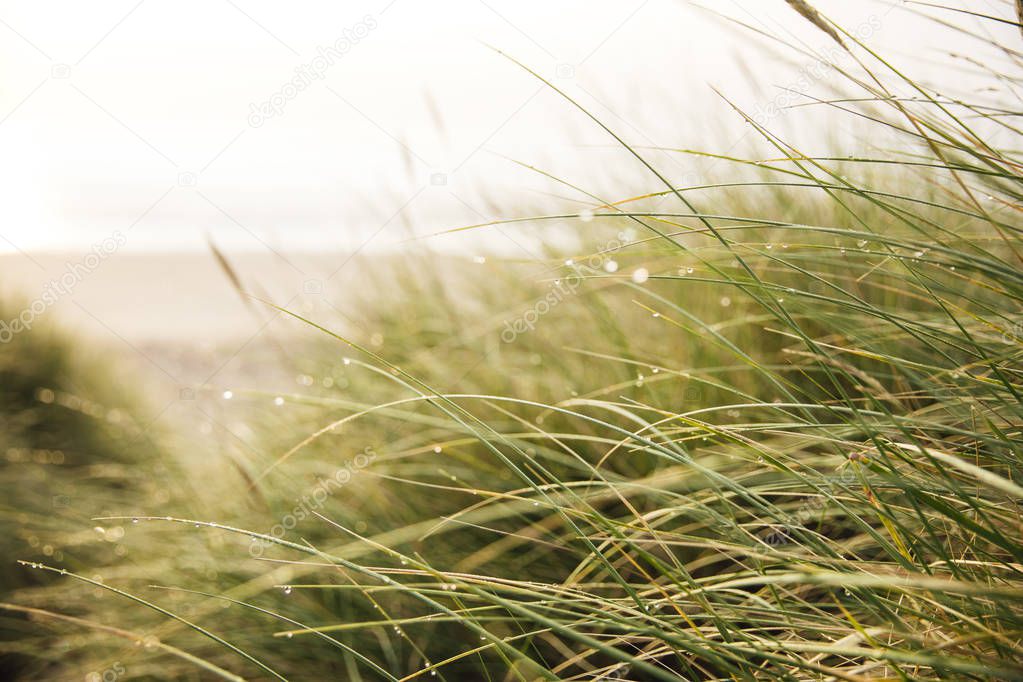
[569, 262]
[611, 266]
[286, 589]
[586, 215]
[656, 314]
[438, 449]
[861, 243]
[288, 635]
[134, 520]
[725, 301]
[278, 401]
[640, 275]
[479, 260]
[227, 395]
[347, 361]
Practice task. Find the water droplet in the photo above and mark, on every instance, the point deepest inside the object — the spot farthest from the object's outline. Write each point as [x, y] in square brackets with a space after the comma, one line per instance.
[611, 266]
[288, 635]
[479, 260]
[438, 449]
[656, 314]
[347, 361]
[286, 589]
[769, 246]
[278, 401]
[227, 395]
[134, 520]
[569, 262]
[640, 275]
[586, 215]
[861, 243]
[725, 301]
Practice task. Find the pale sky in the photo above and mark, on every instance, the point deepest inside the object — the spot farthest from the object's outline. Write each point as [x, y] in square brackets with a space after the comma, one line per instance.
[137, 116]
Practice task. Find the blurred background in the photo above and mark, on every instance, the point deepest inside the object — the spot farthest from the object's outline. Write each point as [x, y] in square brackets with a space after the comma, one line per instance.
[140, 115]
[298, 139]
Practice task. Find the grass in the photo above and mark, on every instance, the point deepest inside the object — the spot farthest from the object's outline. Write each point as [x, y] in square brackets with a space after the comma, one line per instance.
[765, 428]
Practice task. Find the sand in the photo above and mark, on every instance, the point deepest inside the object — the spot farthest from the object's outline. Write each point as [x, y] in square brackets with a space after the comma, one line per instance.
[177, 316]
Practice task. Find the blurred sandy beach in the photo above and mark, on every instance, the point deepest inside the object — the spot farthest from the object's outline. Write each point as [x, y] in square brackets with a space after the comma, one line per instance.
[179, 315]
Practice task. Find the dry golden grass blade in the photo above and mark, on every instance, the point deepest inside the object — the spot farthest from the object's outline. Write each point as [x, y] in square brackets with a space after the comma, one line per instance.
[1019, 14]
[814, 17]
